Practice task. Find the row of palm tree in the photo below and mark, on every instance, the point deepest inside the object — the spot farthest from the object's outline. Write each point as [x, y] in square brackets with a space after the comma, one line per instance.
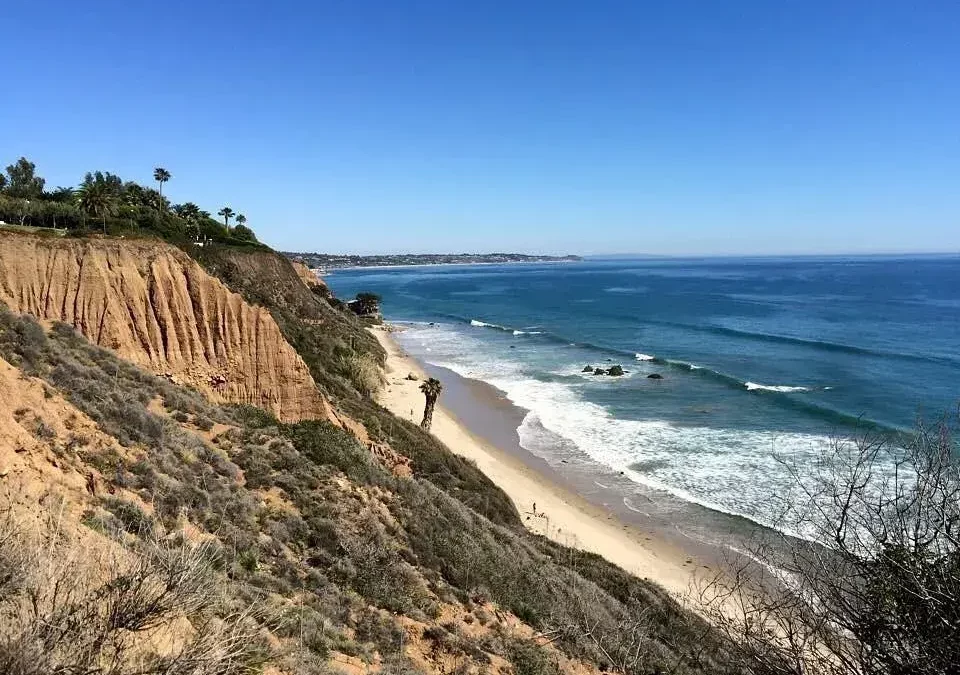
[99, 194]
[161, 175]
[103, 197]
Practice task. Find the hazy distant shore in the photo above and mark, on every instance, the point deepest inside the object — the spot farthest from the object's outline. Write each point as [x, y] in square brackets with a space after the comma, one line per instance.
[329, 262]
[331, 270]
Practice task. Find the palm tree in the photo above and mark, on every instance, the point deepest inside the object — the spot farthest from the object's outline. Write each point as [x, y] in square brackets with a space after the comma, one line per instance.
[431, 390]
[194, 216]
[97, 200]
[241, 219]
[227, 214]
[161, 175]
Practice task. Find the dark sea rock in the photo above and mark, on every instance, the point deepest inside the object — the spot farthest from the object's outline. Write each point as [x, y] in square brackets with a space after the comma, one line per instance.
[654, 376]
[615, 371]
[599, 371]
[587, 369]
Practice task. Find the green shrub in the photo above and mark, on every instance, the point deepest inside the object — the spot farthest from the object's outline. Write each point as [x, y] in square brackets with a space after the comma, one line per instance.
[382, 630]
[131, 516]
[203, 423]
[530, 659]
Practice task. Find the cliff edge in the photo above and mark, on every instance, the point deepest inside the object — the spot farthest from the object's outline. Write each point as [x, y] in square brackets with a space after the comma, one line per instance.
[156, 307]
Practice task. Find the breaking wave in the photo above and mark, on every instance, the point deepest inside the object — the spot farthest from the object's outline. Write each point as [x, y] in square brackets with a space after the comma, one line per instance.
[782, 388]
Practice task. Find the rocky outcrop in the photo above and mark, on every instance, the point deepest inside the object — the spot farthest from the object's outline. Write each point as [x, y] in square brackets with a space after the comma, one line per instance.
[156, 307]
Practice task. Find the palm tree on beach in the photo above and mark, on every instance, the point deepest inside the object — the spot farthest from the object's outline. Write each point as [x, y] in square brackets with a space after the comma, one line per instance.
[227, 214]
[431, 390]
[161, 175]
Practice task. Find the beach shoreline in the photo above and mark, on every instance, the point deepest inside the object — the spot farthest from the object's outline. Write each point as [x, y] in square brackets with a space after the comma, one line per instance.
[550, 504]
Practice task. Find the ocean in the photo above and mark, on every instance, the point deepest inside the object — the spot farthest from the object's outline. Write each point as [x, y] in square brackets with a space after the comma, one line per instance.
[761, 359]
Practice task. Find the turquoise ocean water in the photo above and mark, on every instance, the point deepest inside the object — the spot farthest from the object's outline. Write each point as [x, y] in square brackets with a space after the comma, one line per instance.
[760, 358]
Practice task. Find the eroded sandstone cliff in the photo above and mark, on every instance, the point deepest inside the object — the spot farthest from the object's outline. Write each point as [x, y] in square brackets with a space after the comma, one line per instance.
[156, 307]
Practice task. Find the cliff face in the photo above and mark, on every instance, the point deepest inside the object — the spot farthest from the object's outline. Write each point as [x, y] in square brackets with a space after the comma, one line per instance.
[306, 276]
[156, 307]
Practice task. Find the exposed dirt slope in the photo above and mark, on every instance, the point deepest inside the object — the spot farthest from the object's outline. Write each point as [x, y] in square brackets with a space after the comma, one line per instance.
[306, 276]
[156, 307]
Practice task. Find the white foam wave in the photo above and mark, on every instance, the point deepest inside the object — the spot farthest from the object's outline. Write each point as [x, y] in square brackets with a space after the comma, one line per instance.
[476, 323]
[644, 357]
[626, 289]
[782, 388]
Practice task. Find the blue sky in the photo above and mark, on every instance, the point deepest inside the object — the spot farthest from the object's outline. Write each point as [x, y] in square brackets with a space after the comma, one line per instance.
[764, 126]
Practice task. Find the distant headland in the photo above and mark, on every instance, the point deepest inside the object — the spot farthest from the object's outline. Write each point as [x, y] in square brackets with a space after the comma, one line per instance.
[324, 261]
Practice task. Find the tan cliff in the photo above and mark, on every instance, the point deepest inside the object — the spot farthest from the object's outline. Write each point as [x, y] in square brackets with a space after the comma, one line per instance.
[306, 275]
[158, 308]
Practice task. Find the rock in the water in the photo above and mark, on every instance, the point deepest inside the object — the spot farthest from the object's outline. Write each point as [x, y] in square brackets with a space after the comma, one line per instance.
[599, 371]
[587, 369]
[654, 376]
[615, 371]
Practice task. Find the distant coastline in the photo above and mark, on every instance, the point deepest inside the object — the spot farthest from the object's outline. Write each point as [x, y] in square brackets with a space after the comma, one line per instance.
[328, 262]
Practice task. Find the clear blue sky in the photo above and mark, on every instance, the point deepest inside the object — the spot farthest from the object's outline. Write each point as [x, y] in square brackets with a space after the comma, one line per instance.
[678, 127]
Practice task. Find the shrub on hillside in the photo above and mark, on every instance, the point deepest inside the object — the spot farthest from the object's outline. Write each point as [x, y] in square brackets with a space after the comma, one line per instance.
[75, 606]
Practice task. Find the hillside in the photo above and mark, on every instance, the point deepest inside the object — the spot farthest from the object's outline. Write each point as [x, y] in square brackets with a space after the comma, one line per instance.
[214, 537]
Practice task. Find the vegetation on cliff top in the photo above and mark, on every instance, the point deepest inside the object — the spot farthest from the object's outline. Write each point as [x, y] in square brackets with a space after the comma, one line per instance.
[105, 202]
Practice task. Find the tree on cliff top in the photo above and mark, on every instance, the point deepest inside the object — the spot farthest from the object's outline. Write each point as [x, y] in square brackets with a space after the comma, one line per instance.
[244, 233]
[23, 181]
[161, 175]
[99, 196]
[227, 214]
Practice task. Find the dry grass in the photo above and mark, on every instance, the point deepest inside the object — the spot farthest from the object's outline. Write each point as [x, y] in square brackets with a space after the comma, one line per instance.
[73, 602]
[363, 371]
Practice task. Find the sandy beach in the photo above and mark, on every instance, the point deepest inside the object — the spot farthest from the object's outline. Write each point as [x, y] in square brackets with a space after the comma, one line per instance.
[546, 507]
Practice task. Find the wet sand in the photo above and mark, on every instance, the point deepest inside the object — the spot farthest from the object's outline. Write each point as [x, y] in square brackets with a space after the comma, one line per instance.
[570, 499]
